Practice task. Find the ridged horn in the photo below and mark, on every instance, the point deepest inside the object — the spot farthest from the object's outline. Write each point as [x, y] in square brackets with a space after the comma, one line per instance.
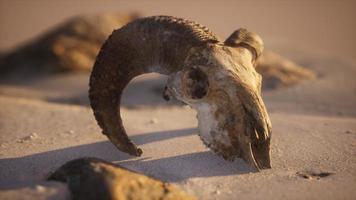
[153, 44]
[247, 39]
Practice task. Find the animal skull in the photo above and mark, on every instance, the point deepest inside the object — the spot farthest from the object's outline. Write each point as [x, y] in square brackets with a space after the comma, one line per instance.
[217, 79]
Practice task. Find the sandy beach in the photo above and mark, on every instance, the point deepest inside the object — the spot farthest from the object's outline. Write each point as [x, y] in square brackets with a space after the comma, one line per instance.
[46, 121]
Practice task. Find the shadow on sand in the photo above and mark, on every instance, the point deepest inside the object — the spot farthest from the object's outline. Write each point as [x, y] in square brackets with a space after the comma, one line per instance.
[38, 166]
[72, 88]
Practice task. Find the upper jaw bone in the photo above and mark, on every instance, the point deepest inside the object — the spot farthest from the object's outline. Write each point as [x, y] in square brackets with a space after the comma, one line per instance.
[230, 125]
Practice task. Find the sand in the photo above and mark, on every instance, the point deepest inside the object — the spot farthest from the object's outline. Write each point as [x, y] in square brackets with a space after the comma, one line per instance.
[46, 121]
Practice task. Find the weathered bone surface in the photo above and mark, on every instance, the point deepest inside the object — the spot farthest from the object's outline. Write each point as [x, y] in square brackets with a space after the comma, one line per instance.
[92, 178]
[217, 79]
[73, 46]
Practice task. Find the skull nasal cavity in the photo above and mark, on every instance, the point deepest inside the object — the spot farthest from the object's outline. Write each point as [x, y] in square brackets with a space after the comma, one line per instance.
[197, 84]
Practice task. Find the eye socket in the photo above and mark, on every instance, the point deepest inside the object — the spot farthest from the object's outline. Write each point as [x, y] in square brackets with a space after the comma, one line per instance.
[196, 83]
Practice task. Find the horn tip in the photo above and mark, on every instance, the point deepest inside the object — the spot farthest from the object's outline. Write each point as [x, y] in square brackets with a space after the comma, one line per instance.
[135, 151]
[139, 152]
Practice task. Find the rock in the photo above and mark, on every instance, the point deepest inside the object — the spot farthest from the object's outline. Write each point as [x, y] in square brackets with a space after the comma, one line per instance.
[313, 174]
[92, 178]
[154, 121]
[278, 71]
[32, 136]
[217, 192]
[70, 46]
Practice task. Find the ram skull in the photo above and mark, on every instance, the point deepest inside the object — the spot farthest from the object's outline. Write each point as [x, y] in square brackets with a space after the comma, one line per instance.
[218, 79]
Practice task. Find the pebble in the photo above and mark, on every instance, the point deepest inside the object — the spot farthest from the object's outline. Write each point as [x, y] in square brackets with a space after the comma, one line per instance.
[313, 175]
[217, 192]
[32, 136]
[154, 121]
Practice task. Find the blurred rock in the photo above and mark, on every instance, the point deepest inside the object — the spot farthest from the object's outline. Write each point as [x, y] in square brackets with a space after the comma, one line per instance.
[70, 46]
[91, 178]
[32, 136]
[278, 71]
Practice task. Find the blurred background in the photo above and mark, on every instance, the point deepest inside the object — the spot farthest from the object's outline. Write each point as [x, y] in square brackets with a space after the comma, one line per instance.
[323, 25]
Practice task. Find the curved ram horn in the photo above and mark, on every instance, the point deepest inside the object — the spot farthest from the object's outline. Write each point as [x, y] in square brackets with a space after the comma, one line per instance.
[154, 44]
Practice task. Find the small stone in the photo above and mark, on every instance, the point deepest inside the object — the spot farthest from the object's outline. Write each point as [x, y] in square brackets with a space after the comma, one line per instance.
[71, 132]
[313, 175]
[154, 121]
[306, 176]
[217, 192]
[348, 132]
[32, 136]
